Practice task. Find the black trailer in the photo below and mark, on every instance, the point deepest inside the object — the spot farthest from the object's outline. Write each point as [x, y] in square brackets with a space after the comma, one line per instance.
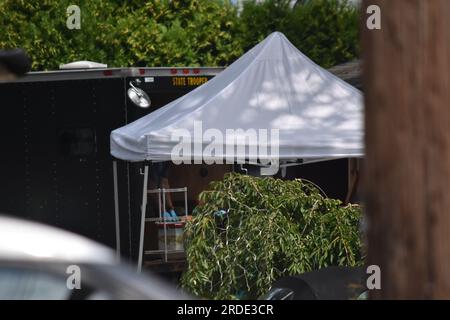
[56, 166]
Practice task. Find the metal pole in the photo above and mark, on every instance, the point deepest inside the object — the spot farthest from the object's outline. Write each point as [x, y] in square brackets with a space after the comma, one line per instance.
[143, 209]
[165, 224]
[185, 203]
[159, 205]
[116, 210]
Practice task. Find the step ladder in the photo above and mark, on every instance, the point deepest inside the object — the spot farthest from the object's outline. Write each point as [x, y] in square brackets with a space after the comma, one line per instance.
[161, 192]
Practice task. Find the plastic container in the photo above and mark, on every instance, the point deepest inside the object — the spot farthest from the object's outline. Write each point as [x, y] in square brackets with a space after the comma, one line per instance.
[174, 234]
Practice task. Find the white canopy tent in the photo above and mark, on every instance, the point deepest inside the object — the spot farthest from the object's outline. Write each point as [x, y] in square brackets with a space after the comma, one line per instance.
[272, 86]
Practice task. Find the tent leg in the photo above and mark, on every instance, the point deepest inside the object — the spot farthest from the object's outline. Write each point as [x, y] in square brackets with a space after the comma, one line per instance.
[165, 224]
[143, 208]
[116, 210]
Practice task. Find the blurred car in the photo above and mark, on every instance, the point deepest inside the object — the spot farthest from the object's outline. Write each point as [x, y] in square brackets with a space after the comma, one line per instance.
[43, 262]
[331, 283]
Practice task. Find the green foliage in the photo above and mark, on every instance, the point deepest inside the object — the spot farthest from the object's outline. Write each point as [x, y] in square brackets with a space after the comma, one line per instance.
[259, 19]
[122, 33]
[273, 228]
[324, 30]
[176, 32]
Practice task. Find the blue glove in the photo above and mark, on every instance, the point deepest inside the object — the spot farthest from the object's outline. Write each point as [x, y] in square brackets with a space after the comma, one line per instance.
[167, 216]
[173, 215]
[220, 213]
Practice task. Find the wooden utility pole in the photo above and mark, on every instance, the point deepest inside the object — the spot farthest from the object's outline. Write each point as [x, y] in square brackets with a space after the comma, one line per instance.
[407, 165]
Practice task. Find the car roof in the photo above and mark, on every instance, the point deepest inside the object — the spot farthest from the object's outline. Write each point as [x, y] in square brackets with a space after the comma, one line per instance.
[31, 241]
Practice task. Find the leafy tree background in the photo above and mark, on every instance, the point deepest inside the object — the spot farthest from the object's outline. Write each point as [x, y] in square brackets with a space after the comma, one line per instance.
[324, 30]
[175, 33]
[123, 33]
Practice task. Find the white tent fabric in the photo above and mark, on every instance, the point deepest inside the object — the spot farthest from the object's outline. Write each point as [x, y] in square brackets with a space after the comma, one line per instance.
[272, 86]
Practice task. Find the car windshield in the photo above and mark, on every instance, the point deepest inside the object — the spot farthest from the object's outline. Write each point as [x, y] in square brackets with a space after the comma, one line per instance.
[27, 284]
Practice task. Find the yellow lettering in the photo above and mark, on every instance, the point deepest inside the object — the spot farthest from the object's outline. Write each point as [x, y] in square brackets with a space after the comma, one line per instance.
[196, 81]
[179, 81]
[188, 81]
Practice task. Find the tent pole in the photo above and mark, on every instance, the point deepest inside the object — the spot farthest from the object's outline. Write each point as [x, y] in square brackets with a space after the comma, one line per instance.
[143, 208]
[165, 223]
[116, 210]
